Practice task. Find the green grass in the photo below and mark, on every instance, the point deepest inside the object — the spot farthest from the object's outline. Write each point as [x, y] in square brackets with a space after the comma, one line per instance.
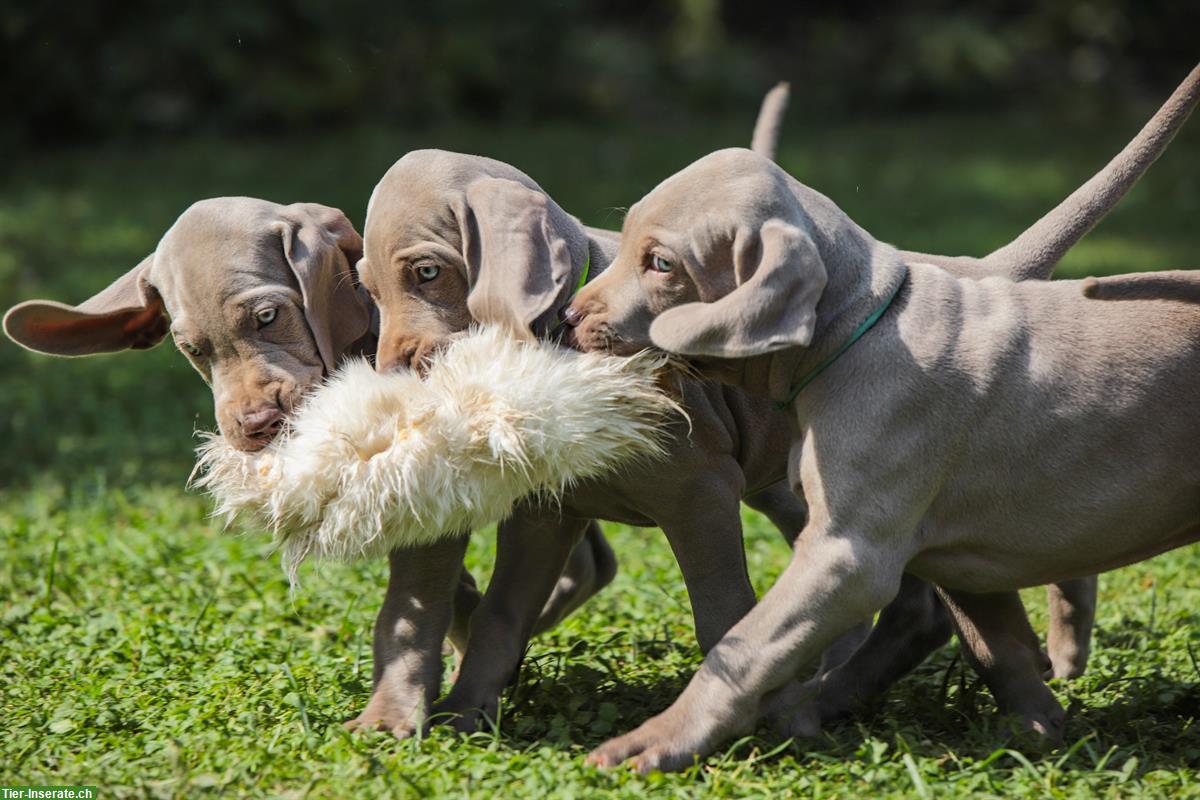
[144, 651]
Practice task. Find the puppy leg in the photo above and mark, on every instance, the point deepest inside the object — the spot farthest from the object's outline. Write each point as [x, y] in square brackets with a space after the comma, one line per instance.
[409, 630]
[532, 547]
[704, 529]
[787, 510]
[909, 628]
[466, 600]
[999, 642]
[1072, 613]
[789, 513]
[832, 582]
[844, 647]
[591, 567]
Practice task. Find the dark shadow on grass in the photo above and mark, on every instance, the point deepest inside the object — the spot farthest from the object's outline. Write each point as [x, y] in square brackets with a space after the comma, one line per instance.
[580, 696]
[941, 708]
[583, 694]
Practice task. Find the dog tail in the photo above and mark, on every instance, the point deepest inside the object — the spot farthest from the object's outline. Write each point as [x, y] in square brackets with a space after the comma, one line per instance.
[765, 140]
[1182, 285]
[1035, 252]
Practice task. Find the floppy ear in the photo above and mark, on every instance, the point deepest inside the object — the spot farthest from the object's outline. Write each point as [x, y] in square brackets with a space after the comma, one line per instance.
[524, 255]
[129, 314]
[780, 278]
[321, 246]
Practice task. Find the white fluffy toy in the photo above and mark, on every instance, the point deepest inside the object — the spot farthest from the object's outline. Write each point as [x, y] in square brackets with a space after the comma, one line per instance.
[373, 462]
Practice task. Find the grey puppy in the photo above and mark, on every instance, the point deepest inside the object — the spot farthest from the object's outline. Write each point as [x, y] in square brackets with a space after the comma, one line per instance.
[452, 238]
[943, 426]
[262, 300]
[425, 303]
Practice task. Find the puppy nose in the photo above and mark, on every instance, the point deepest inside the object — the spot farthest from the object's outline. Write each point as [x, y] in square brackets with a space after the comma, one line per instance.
[262, 421]
[572, 315]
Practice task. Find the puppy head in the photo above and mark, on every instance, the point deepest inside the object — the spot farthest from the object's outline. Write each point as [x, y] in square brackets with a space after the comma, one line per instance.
[716, 262]
[258, 296]
[452, 239]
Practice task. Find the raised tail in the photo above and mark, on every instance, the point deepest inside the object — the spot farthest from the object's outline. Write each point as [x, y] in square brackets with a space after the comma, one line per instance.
[1035, 252]
[1182, 285]
[770, 120]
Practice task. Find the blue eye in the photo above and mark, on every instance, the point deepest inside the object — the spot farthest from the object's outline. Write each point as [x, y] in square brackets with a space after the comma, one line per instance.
[265, 316]
[427, 272]
[660, 264]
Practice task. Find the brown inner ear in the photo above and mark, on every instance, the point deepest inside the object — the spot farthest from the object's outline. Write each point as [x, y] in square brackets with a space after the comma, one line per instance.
[146, 327]
[68, 332]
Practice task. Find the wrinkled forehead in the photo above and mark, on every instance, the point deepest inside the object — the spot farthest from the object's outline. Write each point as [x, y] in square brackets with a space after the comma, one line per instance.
[418, 200]
[403, 213]
[680, 223]
[216, 251]
[726, 188]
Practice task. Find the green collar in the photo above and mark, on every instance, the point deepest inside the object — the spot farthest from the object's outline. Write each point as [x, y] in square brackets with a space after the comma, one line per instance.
[859, 332]
[583, 276]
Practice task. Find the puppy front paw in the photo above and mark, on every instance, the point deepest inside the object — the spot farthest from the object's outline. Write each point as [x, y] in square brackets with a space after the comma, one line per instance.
[383, 713]
[669, 742]
[1044, 727]
[1038, 716]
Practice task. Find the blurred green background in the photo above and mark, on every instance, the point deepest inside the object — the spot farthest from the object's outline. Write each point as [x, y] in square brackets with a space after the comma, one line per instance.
[937, 125]
[141, 67]
[162, 657]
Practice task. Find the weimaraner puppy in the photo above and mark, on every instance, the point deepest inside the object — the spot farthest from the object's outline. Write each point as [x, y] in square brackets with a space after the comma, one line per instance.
[522, 600]
[428, 290]
[984, 435]
[463, 238]
[261, 299]
[533, 542]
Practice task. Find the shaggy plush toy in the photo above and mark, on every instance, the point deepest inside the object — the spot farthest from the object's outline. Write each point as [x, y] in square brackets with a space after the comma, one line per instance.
[372, 462]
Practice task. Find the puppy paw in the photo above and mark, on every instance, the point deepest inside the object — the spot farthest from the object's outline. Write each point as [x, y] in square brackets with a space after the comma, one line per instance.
[364, 723]
[1050, 725]
[646, 750]
[669, 742]
[385, 714]
[1040, 727]
[1066, 661]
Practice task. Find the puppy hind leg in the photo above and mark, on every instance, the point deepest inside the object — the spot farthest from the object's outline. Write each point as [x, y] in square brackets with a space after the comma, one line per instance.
[999, 642]
[844, 647]
[591, 566]
[466, 599]
[1072, 607]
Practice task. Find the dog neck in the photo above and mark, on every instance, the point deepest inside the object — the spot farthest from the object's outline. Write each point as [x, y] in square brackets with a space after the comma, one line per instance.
[856, 290]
